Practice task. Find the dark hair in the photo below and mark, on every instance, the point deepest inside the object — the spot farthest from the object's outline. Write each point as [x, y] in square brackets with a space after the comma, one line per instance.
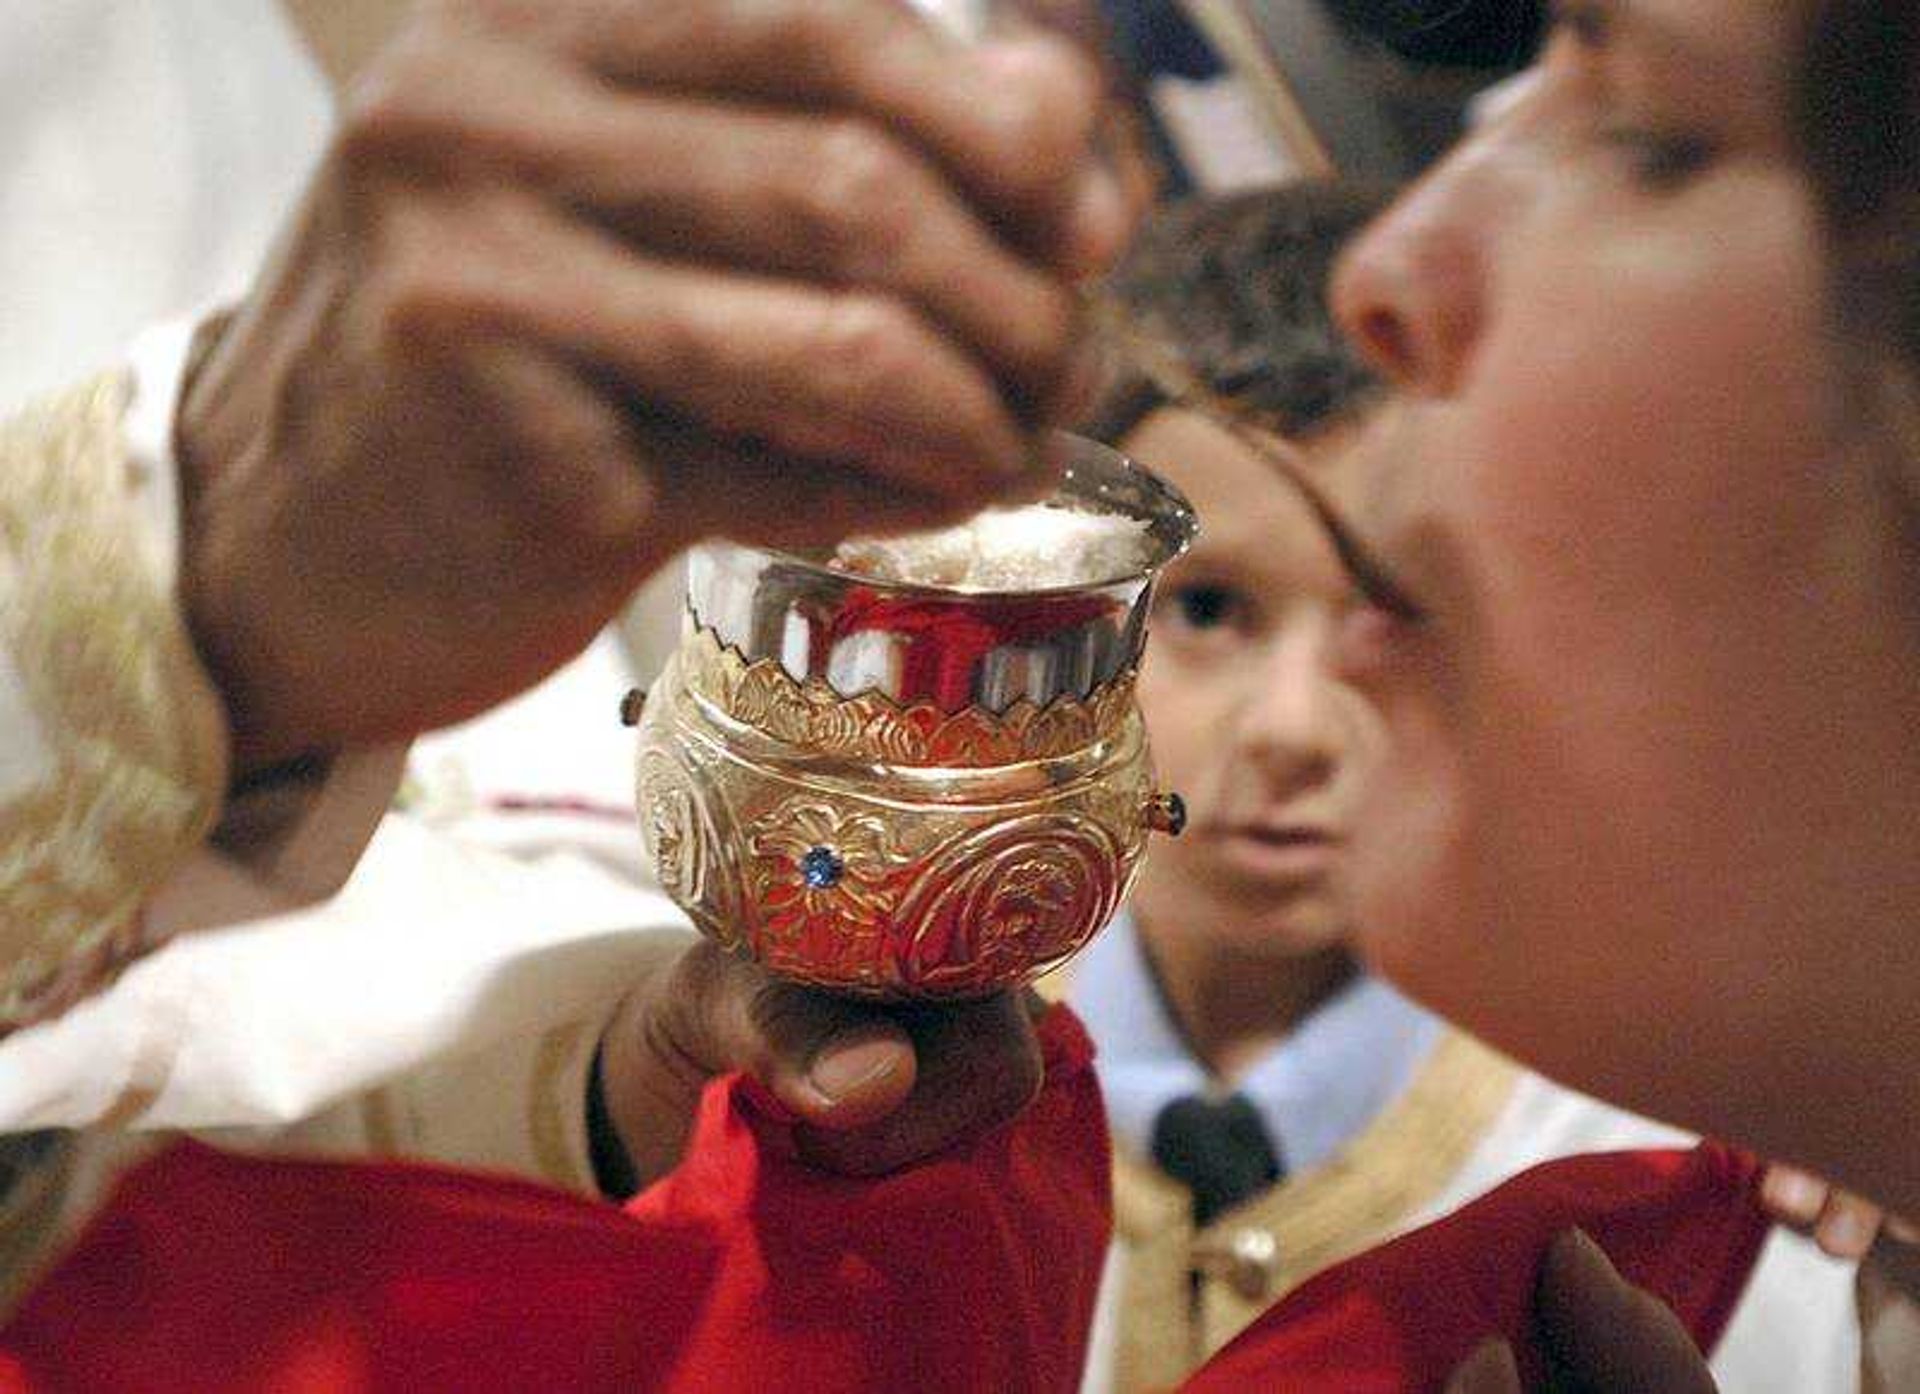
[1237, 285]
[1858, 114]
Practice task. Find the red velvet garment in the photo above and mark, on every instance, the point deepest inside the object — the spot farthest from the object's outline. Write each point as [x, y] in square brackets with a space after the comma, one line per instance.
[744, 1271]
[1401, 1318]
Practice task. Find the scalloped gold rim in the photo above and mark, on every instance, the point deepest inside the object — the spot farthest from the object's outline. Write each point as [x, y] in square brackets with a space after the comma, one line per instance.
[873, 726]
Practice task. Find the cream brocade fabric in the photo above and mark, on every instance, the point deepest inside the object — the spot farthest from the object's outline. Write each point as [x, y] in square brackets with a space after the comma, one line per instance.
[116, 740]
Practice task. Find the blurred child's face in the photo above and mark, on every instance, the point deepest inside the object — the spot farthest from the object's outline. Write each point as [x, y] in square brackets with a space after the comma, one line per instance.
[1245, 720]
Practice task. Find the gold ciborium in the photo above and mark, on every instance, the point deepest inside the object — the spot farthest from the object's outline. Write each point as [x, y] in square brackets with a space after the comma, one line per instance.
[903, 791]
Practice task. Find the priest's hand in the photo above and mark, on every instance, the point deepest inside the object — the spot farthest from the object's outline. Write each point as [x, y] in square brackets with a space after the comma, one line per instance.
[1603, 1335]
[579, 283]
[872, 1088]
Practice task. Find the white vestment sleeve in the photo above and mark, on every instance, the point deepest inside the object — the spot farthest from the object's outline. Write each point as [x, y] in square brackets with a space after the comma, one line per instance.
[115, 767]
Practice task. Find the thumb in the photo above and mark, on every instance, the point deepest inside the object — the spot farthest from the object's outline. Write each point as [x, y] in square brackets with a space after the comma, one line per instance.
[1609, 1336]
[977, 1064]
[833, 1063]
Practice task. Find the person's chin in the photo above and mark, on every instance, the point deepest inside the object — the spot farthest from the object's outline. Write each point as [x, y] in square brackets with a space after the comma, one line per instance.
[1299, 926]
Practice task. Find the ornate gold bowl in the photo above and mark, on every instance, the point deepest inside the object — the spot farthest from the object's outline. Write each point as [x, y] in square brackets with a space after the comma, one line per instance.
[901, 791]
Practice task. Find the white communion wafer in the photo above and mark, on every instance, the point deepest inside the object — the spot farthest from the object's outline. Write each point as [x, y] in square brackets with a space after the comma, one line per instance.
[1037, 547]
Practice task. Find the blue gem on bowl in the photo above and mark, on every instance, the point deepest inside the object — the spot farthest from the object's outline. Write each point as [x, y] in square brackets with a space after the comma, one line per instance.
[822, 868]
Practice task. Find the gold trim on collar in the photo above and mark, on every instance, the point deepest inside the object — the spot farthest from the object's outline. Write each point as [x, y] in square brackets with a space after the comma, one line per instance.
[1185, 1295]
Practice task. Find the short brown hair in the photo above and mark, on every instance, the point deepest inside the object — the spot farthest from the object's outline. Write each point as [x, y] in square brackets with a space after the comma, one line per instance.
[1237, 285]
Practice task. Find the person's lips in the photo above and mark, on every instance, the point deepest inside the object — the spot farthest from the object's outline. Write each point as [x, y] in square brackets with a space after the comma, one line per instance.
[1370, 575]
[1277, 851]
[1373, 579]
[1366, 643]
[1383, 470]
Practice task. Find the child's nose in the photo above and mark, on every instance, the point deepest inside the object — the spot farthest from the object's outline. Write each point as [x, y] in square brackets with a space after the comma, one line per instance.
[1289, 719]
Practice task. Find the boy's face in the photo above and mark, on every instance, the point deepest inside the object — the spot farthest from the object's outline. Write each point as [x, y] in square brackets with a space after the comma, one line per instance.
[1246, 722]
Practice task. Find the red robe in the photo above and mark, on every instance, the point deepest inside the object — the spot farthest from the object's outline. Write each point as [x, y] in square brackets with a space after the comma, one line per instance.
[744, 1270]
[1401, 1318]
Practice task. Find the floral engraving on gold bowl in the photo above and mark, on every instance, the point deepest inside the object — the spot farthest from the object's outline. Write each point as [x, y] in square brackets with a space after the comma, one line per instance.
[940, 881]
[839, 929]
[872, 726]
[981, 905]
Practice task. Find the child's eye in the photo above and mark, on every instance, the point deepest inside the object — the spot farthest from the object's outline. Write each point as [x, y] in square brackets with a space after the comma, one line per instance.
[1207, 607]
